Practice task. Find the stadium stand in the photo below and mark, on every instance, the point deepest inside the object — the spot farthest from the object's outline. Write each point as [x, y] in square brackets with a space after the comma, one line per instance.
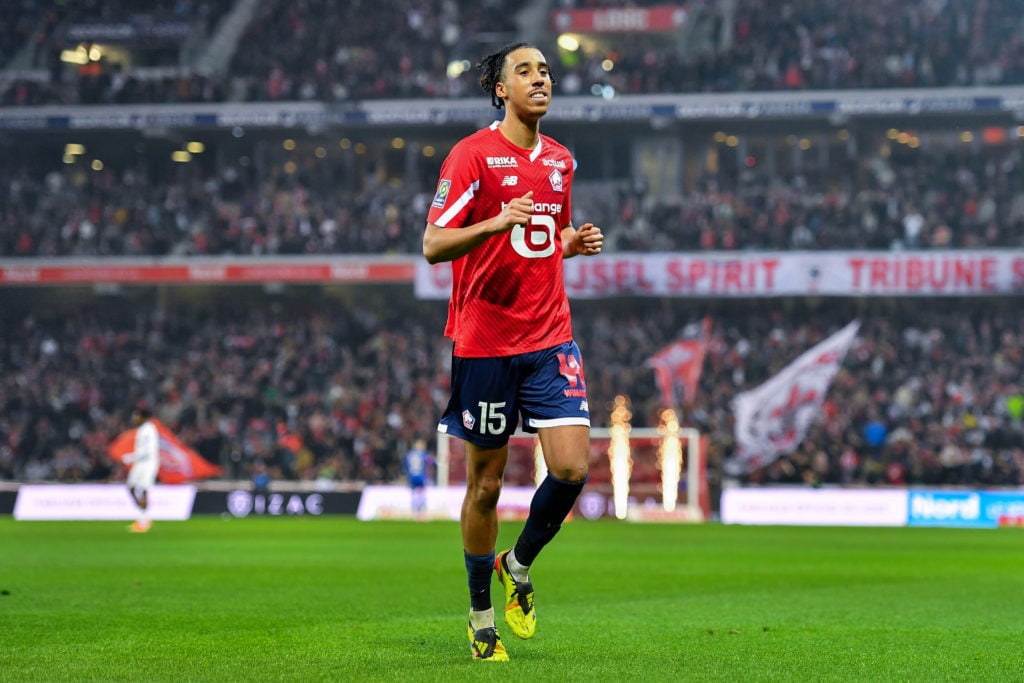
[144, 206]
[233, 377]
[930, 394]
[316, 50]
[946, 193]
[309, 50]
[105, 52]
[352, 377]
[810, 44]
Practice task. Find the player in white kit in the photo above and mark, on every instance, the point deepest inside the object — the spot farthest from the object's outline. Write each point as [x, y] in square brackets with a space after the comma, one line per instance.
[145, 462]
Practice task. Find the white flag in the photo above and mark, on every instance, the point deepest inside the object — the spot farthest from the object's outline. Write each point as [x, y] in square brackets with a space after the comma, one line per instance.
[773, 418]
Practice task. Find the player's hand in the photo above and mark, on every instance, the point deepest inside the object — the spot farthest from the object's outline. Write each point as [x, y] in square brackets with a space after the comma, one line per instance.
[516, 212]
[586, 241]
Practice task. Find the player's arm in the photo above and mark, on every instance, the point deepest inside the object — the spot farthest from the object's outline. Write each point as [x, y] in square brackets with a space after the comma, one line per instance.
[587, 241]
[444, 244]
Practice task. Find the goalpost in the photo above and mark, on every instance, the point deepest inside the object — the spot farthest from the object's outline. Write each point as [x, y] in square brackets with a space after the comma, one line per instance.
[636, 472]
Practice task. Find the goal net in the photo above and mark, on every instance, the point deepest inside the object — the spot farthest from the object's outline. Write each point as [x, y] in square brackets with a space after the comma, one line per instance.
[644, 474]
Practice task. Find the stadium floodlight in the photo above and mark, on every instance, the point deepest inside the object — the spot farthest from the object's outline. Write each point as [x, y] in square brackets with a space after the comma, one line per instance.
[568, 42]
[458, 67]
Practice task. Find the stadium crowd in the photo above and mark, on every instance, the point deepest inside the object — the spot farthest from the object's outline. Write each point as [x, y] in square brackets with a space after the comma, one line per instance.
[814, 44]
[333, 385]
[307, 50]
[938, 196]
[884, 198]
[317, 50]
[147, 209]
[315, 385]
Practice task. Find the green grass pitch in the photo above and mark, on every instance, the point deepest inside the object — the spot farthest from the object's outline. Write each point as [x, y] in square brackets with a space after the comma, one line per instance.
[334, 599]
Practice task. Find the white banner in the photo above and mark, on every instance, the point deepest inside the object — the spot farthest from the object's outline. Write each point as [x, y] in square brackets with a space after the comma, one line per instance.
[443, 502]
[814, 507]
[755, 274]
[773, 418]
[100, 502]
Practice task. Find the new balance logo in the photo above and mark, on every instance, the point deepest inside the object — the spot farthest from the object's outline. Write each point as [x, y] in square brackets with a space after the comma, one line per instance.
[510, 181]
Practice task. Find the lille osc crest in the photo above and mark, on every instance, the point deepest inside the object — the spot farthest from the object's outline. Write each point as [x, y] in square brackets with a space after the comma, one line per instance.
[556, 180]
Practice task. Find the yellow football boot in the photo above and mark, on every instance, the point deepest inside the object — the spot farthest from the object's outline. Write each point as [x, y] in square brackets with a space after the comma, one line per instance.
[486, 644]
[519, 612]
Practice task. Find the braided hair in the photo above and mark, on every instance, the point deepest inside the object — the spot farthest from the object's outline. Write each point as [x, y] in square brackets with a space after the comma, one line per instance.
[491, 66]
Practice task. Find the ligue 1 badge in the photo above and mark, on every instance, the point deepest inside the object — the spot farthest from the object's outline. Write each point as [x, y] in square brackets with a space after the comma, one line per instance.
[443, 188]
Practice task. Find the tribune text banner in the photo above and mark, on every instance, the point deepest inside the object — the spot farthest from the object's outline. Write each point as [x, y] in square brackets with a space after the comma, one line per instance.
[178, 462]
[768, 274]
[772, 419]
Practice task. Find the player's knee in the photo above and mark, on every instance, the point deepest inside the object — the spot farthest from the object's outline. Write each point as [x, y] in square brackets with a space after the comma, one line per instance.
[485, 491]
[576, 474]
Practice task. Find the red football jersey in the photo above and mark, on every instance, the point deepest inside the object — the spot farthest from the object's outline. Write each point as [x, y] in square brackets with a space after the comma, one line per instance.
[507, 293]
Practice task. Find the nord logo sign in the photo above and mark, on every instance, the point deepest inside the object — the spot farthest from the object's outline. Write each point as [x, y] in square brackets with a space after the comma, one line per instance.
[946, 508]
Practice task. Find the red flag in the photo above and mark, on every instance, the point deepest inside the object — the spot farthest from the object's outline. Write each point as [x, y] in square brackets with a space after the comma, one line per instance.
[178, 462]
[679, 365]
